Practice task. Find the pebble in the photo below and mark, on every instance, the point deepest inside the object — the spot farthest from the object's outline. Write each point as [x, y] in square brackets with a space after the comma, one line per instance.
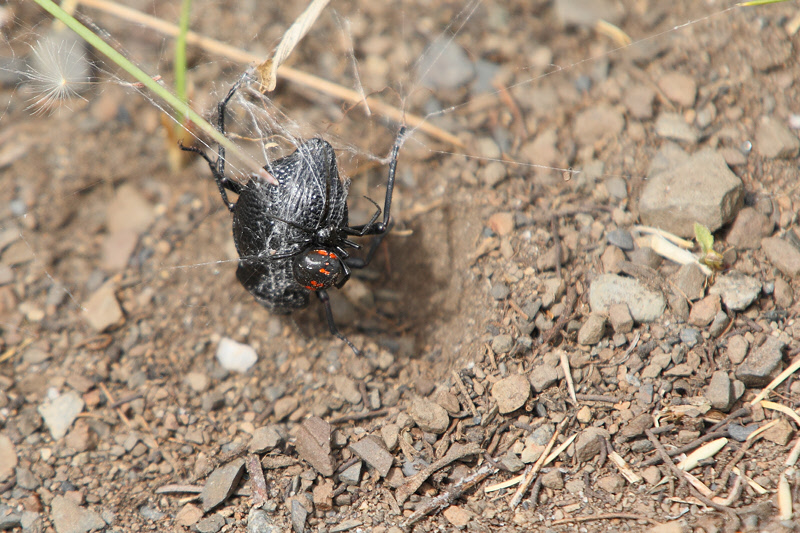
[737, 349]
[783, 293]
[234, 356]
[264, 439]
[702, 190]
[35, 356]
[780, 433]
[673, 126]
[374, 454]
[620, 317]
[636, 426]
[704, 311]
[211, 524]
[60, 412]
[258, 521]
[651, 475]
[621, 239]
[502, 343]
[611, 258]
[588, 443]
[493, 173]
[611, 483]
[390, 434]
[783, 255]
[690, 280]
[102, 310]
[429, 416]
[720, 324]
[739, 432]
[775, 141]
[719, 391]
[502, 223]
[8, 458]
[597, 122]
[511, 393]
[81, 437]
[617, 187]
[553, 479]
[221, 484]
[748, 228]
[189, 515]
[737, 290]
[299, 514]
[445, 66]
[639, 101]
[69, 517]
[644, 304]
[313, 444]
[757, 368]
[592, 330]
[351, 475]
[9, 520]
[679, 88]
[543, 377]
[129, 210]
[500, 291]
[458, 516]
[587, 12]
[285, 406]
[197, 381]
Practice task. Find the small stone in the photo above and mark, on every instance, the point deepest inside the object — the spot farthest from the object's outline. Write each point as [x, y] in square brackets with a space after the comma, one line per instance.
[782, 255]
[69, 517]
[612, 484]
[691, 281]
[390, 434]
[81, 437]
[737, 349]
[719, 325]
[429, 416]
[197, 381]
[221, 484]
[575, 486]
[285, 406]
[347, 389]
[299, 514]
[102, 310]
[757, 368]
[502, 343]
[543, 377]
[639, 101]
[35, 356]
[502, 223]
[374, 454]
[60, 412]
[592, 330]
[493, 173]
[586, 13]
[264, 439]
[783, 294]
[553, 479]
[588, 443]
[584, 415]
[189, 515]
[740, 433]
[445, 66]
[211, 524]
[673, 126]
[553, 290]
[620, 317]
[458, 516]
[313, 445]
[258, 521]
[531, 453]
[679, 88]
[637, 426]
[780, 433]
[668, 527]
[704, 311]
[500, 291]
[511, 462]
[644, 304]
[597, 122]
[651, 475]
[776, 141]
[748, 228]
[8, 458]
[212, 401]
[449, 402]
[322, 495]
[235, 356]
[719, 391]
[351, 475]
[620, 238]
[737, 290]
[611, 258]
[511, 393]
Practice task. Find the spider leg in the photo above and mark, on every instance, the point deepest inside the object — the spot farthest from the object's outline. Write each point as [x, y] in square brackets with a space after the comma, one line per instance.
[326, 303]
[362, 262]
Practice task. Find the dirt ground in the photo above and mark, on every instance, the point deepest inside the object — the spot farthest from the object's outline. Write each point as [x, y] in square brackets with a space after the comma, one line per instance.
[451, 306]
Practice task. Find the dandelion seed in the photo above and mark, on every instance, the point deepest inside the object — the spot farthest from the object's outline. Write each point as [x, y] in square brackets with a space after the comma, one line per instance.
[59, 71]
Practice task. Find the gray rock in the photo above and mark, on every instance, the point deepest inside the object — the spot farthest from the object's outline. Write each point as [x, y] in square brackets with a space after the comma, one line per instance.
[553, 479]
[511, 393]
[264, 439]
[500, 291]
[9, 520]
[69, 517]
[60, 412]
[151, 513]
[737, 349]
[620, 317]
[639, 101]
[553, 290]
[390, 434]
[673, 126]
[783, 294]
[636, 426]
[739, 432]
[543, 377]
[597, 122]
[313, 445]
[429, 416]
[8, 458]
[644, 304]
[719, 391]
[757, 368]
[588, 443]
[445, 65]
[737, 290]
[371, 450]
[720, 324]
[26, 479]
[748, 228]
[235, 356]
[611, 483]
[776, 141]
[592, 330]
[690, 336]
[782, 255]
[351, 475]
[541, 435]
[502, 343]
[617, 187]
[620, 238]
[679, 88]
[690, 280]
[702, 190]
[299, 514]
[258, 521]
[210, 524]
[221, 484]
[704, 311]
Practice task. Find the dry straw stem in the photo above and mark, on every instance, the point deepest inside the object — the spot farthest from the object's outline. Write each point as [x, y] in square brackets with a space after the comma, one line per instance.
[293, 75]
[777, 381]
[782, 408]
[702, 453]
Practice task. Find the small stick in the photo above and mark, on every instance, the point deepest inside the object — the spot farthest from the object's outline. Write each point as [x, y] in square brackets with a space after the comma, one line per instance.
[259, 491]
[463, 389]
[608, 516]
[688, 447]
[744, 411]
[413, 483]
[568, 376]
[359, 416]
[125, 399]
[529, 475]
[111, 400]
[596, 398]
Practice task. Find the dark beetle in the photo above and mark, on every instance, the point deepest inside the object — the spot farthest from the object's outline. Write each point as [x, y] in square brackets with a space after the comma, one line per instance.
[292, 238]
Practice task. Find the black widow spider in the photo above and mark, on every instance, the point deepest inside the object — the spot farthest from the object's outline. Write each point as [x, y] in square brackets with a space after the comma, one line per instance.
[292, 238]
